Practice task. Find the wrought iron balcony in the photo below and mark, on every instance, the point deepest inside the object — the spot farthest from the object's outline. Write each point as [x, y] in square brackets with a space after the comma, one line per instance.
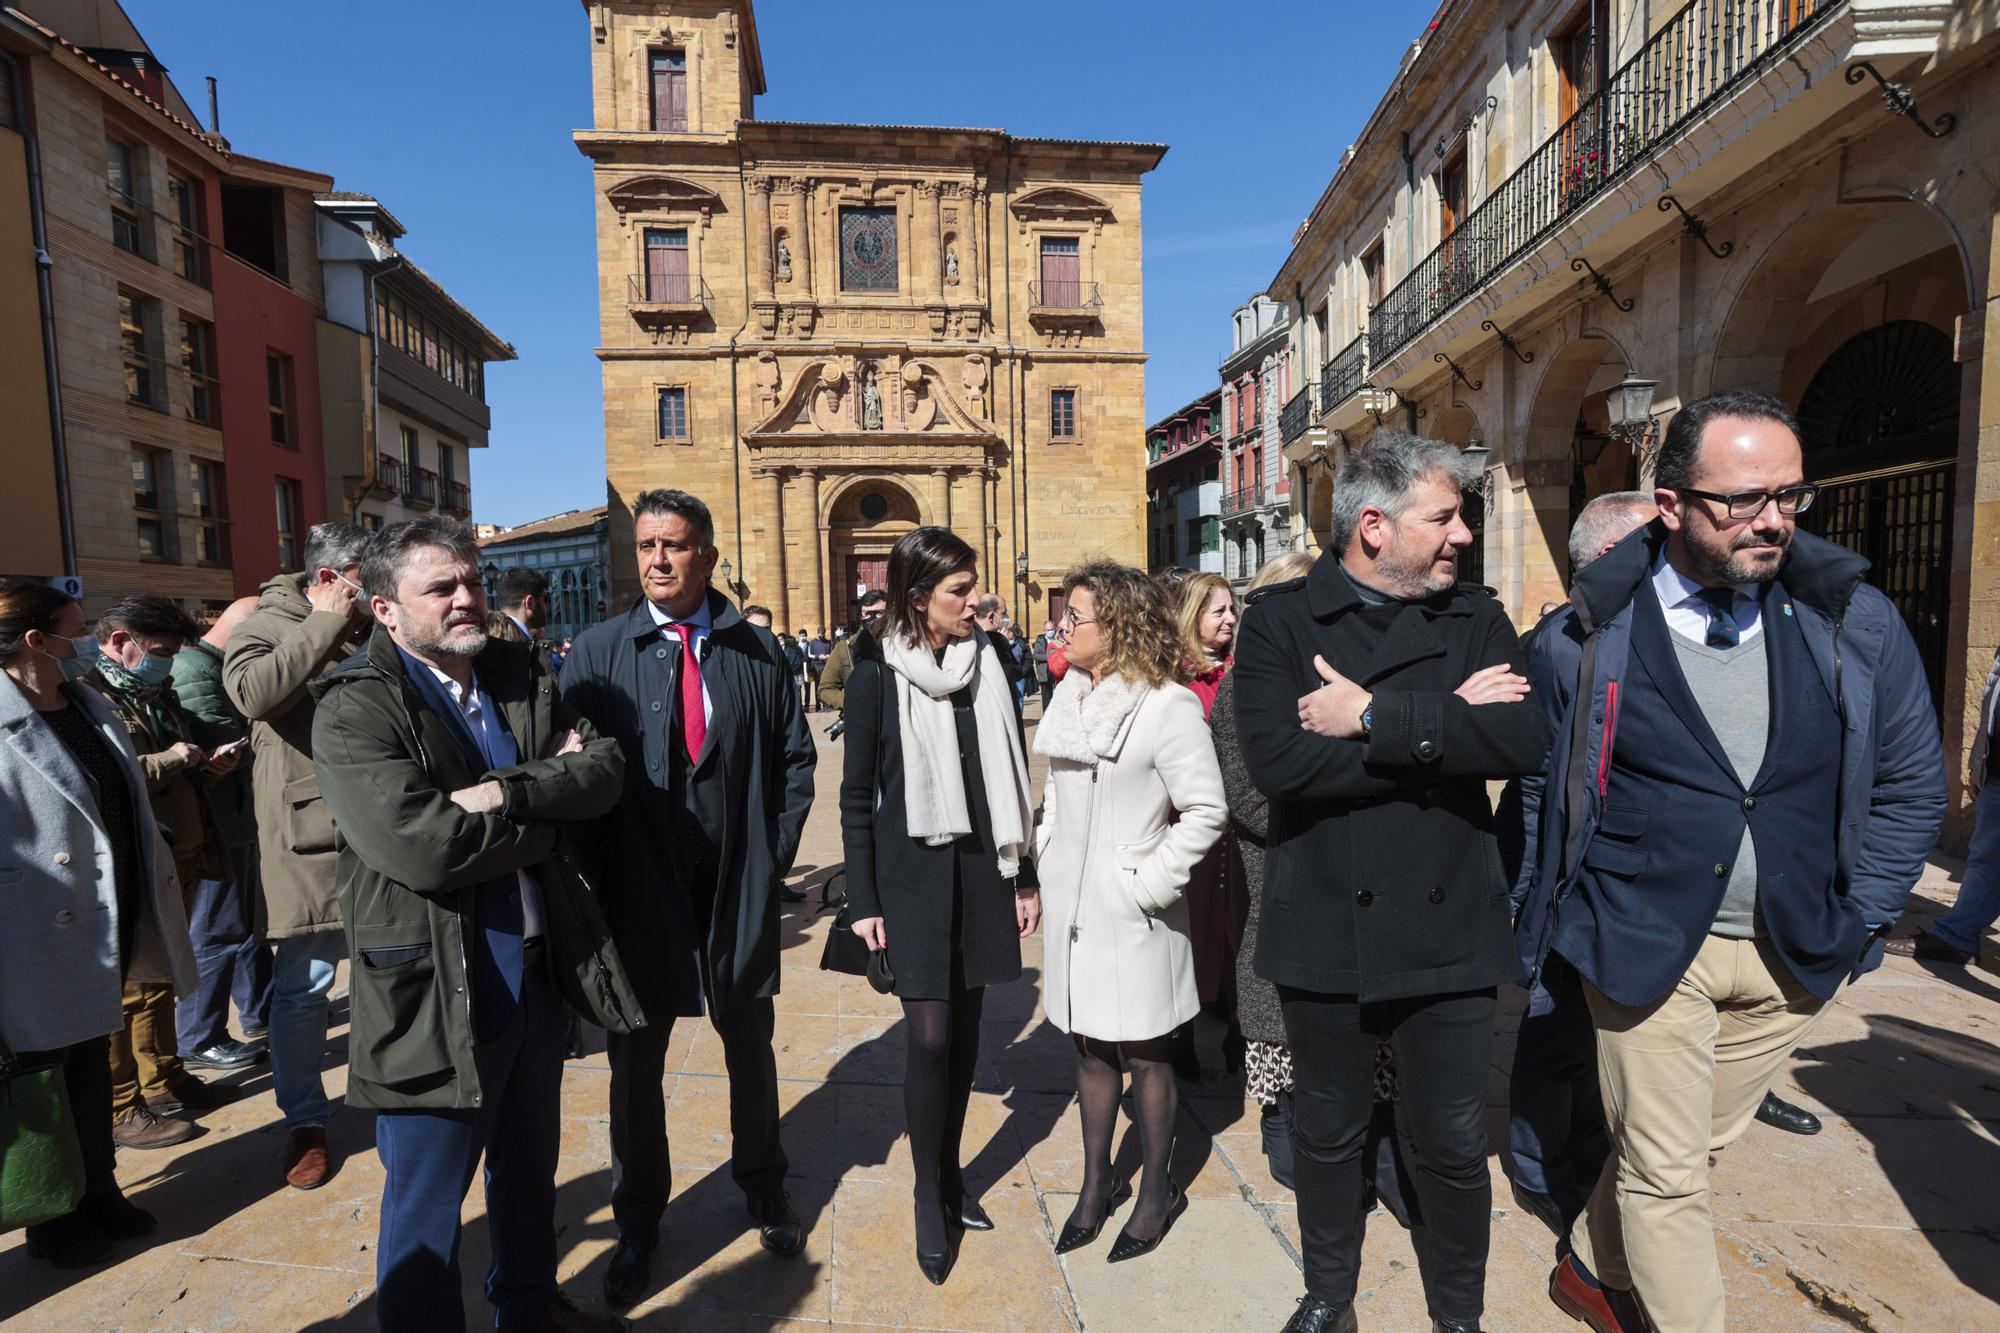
[1342, 377]
[1699, 54]
[656, 299]
[457, 499]
[420, 488]
[1248, 498]
[388, 482]
[1296, 415]
[1065, 295]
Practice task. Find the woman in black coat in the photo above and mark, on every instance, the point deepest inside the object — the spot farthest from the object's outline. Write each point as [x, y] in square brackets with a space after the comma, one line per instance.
[936, 818]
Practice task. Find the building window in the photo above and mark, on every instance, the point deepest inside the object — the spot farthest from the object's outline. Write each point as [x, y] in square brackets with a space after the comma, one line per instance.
[1451, 194]
[278, 378]
[409, 438]
[868, 250]
[1371, 274]
[149, 502]
[372, 522]
[187, 226]
[1062, 272]
[197, 365]
[289, 509]
[666, 264]
[669, 90]
[205, 502]
[253, 226]
[123, 180]
[1062, 414]
[674, 414]
[134, 346]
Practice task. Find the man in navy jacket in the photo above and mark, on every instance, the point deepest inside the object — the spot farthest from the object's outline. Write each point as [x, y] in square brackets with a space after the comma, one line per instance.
[1745, 781]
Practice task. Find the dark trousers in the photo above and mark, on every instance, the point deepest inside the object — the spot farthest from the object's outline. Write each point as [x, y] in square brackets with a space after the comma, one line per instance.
[1443, 1045]
[1048, 686]
[1555, 1114]
[428, 1158]
[641, 1177]
[87, 1073]
[231, 957]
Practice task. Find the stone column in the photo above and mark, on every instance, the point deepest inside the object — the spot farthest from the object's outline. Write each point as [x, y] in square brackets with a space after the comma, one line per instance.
[803, 518]
[930, 222]
[971, 276]
[769, 578]
[802, 237]
[941, 496]
[977, 479]
[760, 237]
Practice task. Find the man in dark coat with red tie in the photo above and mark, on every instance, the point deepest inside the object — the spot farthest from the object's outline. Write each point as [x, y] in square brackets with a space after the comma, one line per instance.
[719, 777]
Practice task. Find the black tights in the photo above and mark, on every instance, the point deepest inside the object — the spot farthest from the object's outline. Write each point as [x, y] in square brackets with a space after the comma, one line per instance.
[943, 1053]
[1100, 1067]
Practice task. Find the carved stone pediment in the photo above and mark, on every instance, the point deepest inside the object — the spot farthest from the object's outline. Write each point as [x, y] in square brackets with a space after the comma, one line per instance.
[662, 194]
[1058, 203]
[826, 398]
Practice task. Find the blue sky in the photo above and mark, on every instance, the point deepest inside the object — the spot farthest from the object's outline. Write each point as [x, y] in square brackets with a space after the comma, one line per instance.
[457, 114]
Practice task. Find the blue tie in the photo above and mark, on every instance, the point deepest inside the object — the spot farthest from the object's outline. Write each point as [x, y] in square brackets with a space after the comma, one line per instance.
[1723, 631]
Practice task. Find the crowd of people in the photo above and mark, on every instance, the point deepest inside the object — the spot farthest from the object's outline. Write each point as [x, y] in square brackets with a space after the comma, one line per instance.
[1723, 775]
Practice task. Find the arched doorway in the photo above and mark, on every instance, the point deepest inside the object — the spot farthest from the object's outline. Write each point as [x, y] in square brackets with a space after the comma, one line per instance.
[866, 519]
[1879, 423]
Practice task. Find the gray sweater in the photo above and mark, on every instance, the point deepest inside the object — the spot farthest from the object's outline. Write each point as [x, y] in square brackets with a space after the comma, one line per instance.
[1733, 687]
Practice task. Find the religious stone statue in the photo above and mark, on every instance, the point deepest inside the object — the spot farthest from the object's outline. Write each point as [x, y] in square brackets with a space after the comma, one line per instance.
[951, 265]
[871, 402]
[784, 261]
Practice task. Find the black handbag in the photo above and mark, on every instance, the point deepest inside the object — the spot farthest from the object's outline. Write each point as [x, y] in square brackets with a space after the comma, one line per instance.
[845, 952]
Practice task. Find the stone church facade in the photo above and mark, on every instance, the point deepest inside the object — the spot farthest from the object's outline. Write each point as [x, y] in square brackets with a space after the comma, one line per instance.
[836, 333]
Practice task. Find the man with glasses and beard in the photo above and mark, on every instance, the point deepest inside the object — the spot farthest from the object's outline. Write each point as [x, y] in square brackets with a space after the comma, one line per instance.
[1385, 911]
[1745, 781]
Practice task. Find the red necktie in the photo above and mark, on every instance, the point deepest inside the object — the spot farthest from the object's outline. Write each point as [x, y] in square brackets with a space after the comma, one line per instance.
[694, 726]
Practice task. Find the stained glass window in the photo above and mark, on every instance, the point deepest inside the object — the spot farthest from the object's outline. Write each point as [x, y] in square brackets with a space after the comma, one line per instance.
[868, 249]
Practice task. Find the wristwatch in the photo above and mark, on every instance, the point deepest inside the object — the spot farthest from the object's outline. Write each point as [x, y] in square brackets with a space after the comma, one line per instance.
[1368, 719]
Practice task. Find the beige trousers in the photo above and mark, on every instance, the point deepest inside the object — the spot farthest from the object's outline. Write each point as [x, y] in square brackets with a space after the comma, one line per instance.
[1682, 1078]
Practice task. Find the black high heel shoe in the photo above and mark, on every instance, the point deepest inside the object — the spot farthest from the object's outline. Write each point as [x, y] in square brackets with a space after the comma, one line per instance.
[937, 1267]
[967, 1215]
[1075, 1238]
[1128, 1246]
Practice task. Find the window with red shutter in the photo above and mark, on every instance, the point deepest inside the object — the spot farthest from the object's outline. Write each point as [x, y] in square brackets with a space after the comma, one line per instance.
[670, 112]
[1062, 272]
[666, 264]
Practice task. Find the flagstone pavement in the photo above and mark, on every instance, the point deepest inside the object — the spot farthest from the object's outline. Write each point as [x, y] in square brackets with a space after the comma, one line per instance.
[1890, 1219]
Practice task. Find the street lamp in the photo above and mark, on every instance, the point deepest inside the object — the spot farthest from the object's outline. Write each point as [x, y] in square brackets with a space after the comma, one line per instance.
[728, 575]
[1021, 567]
[1630, 406]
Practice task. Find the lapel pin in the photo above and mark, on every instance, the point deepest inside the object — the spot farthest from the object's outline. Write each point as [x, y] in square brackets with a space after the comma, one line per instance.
[1788, 608]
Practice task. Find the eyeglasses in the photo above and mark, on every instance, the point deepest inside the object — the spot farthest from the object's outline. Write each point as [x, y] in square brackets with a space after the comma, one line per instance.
[1748, 504]
[1072, 619]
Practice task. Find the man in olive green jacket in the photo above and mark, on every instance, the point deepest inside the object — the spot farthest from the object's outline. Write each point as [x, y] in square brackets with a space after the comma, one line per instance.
[303, 624]
[450, 768]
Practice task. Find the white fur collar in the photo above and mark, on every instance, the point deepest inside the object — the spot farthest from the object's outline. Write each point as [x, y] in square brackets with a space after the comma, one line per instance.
[1083, 722]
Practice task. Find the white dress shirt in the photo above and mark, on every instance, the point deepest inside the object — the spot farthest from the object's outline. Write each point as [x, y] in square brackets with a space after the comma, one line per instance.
[1688, 614]
[500, 751]
[703, 622]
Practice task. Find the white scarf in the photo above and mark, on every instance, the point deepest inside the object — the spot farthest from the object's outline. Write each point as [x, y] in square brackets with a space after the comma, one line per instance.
[1083, 720]
[934, 802]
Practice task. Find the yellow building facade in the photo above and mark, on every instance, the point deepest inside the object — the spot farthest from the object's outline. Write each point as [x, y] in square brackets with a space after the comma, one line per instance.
[836, 333]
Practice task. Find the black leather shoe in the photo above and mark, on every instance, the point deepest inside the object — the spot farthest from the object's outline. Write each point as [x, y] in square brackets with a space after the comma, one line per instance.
[1451, 1326]
[967, 1215]
[69, 1241]
[1316, 1316]
[1075, 1238]
[1928, 948]
[117, 1216]
[191, 1094]
[793, 895]
[937, 1267]
[778, 1227]
[1542, 1207]
[631, 1268]
[1783, 1115]
[225, 1055]
[563, 1316]
[1128, 1246]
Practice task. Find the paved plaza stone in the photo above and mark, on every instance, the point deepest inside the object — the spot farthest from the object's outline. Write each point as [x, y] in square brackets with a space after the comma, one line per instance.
[1887, 1220]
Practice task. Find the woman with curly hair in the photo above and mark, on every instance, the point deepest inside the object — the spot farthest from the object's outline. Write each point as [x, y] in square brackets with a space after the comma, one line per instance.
[1127, 748]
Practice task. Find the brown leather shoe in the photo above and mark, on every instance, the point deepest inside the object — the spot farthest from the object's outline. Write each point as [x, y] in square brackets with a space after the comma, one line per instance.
[562, 1316]
[306, 1163]
[147, 1128]
[1928, 948]
[1604, 1309]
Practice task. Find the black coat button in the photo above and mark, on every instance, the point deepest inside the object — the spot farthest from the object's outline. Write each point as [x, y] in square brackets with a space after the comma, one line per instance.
[1749, 802]
[1425, 749]
[659, 652]
[1720, 870]
[656, 705]
[1431, 794]
[1363, 898]
[1437, 895]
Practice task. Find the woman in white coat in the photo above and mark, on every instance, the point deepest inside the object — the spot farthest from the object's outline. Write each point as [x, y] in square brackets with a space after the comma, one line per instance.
[1127, 748]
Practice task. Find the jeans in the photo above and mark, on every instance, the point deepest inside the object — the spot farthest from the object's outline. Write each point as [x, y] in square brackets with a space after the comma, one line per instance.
[1443, 1046]
[1555, 1113]
[230, 957]
[301, 975]
[1979, 892]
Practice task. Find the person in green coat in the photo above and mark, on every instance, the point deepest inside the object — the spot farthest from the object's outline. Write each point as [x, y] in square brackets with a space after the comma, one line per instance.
[452, 769]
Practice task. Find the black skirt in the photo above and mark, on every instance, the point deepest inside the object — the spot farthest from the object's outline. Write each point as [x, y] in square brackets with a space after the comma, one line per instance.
[949, 937]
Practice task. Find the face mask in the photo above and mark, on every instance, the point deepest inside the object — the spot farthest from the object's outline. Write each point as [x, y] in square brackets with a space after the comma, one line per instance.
[350, 583]
[152, 669]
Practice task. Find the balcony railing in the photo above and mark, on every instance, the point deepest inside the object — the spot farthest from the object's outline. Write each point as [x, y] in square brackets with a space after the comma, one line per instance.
[457, 499]
[1342, 377]
[1699, 54]
[1063, 294]
[1248, 498]
[420, 488]
[666, 289]
[1296, 415]
[388, 477]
